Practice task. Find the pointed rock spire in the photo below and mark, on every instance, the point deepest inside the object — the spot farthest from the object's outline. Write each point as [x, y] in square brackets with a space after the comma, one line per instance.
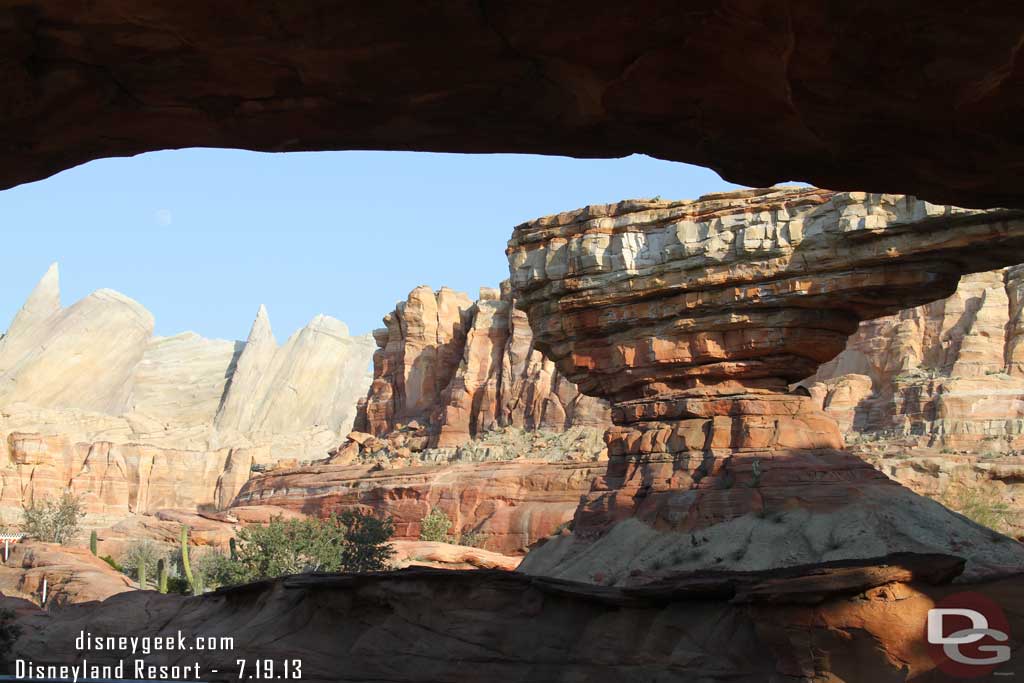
[43, 302]
[261, 329]
[251, 373]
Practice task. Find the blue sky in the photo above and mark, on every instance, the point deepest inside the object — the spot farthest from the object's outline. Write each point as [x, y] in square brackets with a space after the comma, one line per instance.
[202, 237]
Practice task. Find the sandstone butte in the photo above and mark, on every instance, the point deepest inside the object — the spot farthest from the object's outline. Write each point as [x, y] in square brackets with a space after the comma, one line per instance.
[459, 368]
[693, 318]
[91, 400]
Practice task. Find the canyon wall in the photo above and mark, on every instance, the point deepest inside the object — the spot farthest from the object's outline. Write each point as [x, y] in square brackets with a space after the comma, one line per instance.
[693, 318]
[463, 414]
[507, 505]
[947, 374]
[92, 401]
[454, 369]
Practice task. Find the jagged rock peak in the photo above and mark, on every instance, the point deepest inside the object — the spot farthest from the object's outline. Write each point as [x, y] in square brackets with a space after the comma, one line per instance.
[43, 302]
[261, 329]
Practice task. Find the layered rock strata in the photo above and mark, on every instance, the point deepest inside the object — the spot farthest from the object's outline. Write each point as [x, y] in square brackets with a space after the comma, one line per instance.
[448, 370]
[507, 506]
[693, 317]
[91, 401]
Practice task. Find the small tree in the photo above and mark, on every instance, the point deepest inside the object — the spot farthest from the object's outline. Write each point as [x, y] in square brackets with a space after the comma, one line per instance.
[353, 542]
[366, 547]
[53, 521]
[435, 526]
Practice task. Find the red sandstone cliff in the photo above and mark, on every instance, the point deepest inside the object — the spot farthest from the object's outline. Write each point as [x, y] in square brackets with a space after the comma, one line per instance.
[454, 369]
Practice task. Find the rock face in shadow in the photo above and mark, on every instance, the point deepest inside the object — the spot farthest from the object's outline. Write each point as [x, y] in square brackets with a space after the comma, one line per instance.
[693, 317]
[90, 400]
[458, 369]
[832, 94]
[853, 623]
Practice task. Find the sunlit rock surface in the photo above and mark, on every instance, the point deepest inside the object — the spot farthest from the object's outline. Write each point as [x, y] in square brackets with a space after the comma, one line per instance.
[693, 318]
[91, 401]
[458, 369]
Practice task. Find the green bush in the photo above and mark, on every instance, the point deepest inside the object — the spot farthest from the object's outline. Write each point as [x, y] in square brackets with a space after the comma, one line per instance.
[471, 538]
[435, 526]
[350, 542]
[52, 521]
[365, 547]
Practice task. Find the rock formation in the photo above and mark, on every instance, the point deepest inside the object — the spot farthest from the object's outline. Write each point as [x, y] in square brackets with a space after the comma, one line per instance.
[693, 317]
[860, 622]
[458, 369]
[90, 400]
[921, 99]
[934, 397]
[946, 373]
[72, 575]
[507, 505]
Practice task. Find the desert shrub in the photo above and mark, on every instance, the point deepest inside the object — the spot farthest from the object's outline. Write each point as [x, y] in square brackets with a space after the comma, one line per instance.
[351, 542]
[53, 521]
[435, 526]
[980, 505]
[144, 553]
[471, 538]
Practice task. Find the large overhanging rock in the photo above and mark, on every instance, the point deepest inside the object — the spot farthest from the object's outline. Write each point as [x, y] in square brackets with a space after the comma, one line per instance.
[923, 98]
[693, 318]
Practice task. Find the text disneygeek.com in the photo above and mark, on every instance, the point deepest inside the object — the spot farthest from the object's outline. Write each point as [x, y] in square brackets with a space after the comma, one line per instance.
[124, 658]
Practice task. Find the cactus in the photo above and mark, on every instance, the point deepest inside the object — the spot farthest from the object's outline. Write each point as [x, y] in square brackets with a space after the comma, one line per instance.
[200, 586]
[142, 576]
[234, 549]
[186, 565]
[93, 543]
[161, 575]
[755, 468]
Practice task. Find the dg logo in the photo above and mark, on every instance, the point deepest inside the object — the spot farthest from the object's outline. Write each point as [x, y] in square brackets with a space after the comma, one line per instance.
[968, 635]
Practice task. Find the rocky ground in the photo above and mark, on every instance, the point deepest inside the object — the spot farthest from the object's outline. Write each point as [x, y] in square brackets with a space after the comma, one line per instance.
[854, 622]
